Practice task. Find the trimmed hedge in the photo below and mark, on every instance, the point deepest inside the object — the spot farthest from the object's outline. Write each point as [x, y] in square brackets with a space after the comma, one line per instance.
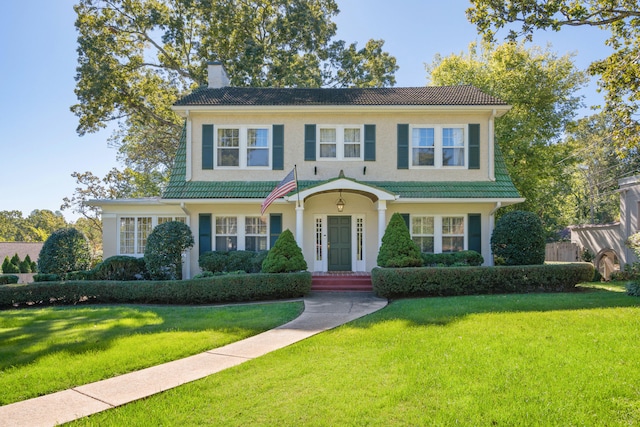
[232, 261]
[404, 282]
[211, 290]
[8, 279]
[456, 259]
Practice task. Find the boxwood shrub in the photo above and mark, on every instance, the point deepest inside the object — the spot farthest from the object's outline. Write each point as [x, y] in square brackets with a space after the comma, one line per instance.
[210, 290]
[232, 261]
[434, 281]
[8, 279]
[459, 259]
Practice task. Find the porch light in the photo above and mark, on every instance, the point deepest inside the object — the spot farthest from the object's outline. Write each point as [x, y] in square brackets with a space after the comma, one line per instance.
[340, 203]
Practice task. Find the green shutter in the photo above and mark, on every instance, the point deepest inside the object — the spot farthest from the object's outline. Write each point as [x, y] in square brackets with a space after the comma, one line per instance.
[407, 220]
[369, 142]
[204, 233]
[275, 228]
[277, 160]
[403, 146]
[207, 146]
[310, 142]
[475, 233]
[474, 146]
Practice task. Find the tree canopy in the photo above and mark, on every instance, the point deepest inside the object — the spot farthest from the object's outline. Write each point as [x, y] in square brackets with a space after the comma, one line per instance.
[137, 57]
[619, 73]
[541, 87]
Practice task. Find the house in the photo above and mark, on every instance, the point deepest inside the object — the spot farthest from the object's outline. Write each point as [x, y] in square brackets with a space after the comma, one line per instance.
[607, 241]
[360, 155]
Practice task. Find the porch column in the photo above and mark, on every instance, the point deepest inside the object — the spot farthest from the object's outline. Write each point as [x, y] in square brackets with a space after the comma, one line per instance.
[382, 220]
[300, 224]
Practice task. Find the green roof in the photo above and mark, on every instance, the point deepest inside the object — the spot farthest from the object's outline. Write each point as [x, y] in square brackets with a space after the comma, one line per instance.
[179, 188]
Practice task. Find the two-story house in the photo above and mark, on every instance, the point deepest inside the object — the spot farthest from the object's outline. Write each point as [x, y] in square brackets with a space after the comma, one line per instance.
[360, 155]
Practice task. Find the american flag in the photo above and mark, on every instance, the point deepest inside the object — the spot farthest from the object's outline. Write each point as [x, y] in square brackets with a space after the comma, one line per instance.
[286, 185]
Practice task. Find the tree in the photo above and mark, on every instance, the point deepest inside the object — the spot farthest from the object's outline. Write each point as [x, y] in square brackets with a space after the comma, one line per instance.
[164, 249]
[619, 73]
[137, 57]
[541, 88]
[518, 239]
[64, 251]
[397, 249]
[285, 256]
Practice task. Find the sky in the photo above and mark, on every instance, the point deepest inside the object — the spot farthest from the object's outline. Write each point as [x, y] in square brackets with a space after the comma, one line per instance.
[39, 146]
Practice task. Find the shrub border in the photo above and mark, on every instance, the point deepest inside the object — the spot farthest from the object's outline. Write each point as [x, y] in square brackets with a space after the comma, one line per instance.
[450, 281]
[210, 290]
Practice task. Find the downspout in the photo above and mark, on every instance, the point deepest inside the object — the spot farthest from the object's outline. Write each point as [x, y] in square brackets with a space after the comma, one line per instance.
[492, 221]
[186, 269]
[492, 141]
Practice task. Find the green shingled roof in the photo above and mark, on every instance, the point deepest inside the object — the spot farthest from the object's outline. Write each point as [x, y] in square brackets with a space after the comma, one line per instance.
[179, 188]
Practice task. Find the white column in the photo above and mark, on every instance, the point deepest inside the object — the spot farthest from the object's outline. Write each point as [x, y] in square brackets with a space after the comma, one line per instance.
[300, 225]
[382, 220]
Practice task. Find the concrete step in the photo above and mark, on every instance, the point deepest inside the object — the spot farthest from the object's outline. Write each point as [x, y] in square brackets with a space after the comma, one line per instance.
[341, 283]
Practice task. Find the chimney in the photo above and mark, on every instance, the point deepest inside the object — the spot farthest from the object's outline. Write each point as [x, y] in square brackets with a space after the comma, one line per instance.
[217, 76]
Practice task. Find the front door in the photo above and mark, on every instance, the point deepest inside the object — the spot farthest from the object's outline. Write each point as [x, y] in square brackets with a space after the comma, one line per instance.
[339, 243]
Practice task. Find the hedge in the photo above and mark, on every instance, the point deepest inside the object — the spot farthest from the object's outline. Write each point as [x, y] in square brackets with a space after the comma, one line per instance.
[426, 281]
[210, 290]
[8, 279]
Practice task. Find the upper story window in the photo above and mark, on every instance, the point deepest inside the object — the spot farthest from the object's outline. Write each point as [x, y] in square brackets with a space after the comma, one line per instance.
[243, 146]
[340, 142]
[438, 146]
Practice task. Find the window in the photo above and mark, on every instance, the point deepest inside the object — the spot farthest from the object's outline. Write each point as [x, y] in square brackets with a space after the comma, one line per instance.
[135, 230]
[452, 147]
[438, 146]
[244, 146]
[452, 234]
[226, 233]
[422, 232]
[255, 233]
[340, 142]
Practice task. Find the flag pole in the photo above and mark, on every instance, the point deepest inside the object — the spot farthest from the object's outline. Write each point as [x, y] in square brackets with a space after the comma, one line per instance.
[295, 175]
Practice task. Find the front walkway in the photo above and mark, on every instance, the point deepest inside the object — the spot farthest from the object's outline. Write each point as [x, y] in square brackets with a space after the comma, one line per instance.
[322, 311]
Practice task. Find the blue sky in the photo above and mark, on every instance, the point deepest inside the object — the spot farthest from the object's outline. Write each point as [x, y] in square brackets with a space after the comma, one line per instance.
[38, 143]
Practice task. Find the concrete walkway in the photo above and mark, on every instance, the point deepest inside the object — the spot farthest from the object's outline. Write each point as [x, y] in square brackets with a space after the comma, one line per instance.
[322, 311]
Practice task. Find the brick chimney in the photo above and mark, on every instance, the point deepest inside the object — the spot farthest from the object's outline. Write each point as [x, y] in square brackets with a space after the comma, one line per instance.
[217, 76]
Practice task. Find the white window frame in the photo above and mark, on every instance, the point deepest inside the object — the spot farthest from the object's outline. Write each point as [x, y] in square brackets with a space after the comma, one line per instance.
[438, 131]
[243, 146]
[340, 142]
[241, 231]
[422, 235]
[358, 234]
[438, 235]
[259, 235]
[140, 239]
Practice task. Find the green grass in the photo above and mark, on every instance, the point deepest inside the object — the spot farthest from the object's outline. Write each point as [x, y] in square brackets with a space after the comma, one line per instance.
[51, 349]
[537, 359]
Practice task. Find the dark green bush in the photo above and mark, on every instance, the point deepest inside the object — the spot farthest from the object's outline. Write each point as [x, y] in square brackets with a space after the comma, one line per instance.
[25, 266]
[285, 256]
[225, 262]
[211, 290]
[426, 281]
[461, 258]
[65, 250]
[519, 239]
[42, 277]
[164, 249]
[8, 267]
[120, 267]
[397, 249]
[633, 288]
[8, 279]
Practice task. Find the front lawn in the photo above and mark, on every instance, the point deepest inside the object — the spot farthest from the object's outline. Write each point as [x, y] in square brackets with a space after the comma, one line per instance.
[534, 359]
[51, 349]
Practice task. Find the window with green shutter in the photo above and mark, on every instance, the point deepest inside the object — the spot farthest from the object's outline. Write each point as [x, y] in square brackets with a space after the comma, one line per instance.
[204, 233]
[369, 143]
[474, 146]
[475, 232]
[310, 142]
[278, 147]
[403, 146]
[275, 228]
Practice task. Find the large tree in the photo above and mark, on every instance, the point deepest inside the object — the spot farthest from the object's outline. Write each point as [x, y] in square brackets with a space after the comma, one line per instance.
[619, 73]
[137, 57]
[541, 88]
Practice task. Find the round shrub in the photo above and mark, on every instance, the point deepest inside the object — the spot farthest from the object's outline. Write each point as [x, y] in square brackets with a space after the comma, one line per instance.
[285, 256]
[213, 261]
[519, 239]
[163, 253]
[120, 267]
[397, 249]
[65, 250]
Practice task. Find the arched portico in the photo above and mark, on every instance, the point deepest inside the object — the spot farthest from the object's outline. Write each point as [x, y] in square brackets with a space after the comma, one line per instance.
[345, 237]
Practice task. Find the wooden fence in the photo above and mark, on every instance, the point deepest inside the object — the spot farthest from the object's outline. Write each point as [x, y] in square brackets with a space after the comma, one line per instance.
[562, 251]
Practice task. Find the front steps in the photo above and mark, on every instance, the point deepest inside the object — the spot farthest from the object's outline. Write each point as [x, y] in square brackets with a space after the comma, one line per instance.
[341, 282]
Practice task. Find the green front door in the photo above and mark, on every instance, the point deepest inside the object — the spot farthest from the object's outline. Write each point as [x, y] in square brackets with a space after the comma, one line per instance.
[339, 240]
